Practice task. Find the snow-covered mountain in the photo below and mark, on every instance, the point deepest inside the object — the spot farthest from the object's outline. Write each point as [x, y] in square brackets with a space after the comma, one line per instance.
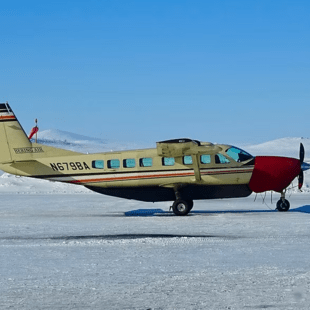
[66, 140]
[281, 147]
[80, 143]
[74, 142]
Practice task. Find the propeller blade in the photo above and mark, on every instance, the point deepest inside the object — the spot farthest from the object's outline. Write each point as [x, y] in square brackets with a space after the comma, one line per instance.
[301, 153]
[300, 179]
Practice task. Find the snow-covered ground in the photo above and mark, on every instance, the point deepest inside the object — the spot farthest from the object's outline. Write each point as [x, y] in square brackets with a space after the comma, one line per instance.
[64, 247]
[86, 251]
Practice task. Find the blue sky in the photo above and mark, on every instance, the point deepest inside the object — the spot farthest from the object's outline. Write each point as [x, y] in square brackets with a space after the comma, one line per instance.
[219, 71]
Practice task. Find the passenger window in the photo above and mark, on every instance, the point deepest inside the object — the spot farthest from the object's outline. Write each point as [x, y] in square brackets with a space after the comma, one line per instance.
[187, 160]
[205, 159]
[129, 163]
[168, 161]
[146, 162]
[113, 163]
[97, 164]
[221, 159]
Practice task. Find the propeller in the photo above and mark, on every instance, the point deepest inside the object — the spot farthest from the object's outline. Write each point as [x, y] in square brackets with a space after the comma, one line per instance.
[300, 179]
[301, 153]
[301, 159]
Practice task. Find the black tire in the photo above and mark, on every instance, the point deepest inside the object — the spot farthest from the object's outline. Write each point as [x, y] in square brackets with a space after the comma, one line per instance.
[283, 206]
[182, 207]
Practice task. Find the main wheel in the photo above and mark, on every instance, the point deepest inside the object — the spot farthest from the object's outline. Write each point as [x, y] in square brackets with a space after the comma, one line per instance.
[182, 207]
[283, 206]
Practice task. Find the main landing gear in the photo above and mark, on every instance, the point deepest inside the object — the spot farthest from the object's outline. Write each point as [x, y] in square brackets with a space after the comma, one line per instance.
[182, 207]
[283, 204]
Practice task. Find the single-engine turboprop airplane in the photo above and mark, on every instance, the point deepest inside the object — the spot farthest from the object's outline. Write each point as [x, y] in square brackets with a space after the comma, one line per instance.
[179, 170]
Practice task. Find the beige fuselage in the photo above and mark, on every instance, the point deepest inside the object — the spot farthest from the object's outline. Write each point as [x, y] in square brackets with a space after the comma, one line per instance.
[81, 169]
[176, 168]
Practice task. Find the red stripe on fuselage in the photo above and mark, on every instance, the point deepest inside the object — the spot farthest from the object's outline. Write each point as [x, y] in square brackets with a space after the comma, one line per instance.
[159, 175]
[7, 117]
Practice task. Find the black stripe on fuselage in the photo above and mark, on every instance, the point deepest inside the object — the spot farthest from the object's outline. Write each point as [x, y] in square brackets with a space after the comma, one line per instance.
[3, 107]
[7, 120]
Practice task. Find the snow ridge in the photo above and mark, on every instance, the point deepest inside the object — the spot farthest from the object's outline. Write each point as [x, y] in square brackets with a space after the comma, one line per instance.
[80, 143]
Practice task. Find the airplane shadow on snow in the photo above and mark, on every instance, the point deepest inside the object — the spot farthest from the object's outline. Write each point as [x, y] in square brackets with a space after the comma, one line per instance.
[160, 212]
[157, 212]
[119, 237]
[138, 236]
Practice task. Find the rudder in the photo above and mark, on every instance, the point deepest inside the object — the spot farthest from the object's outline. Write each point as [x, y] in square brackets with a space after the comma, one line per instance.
[13, 138]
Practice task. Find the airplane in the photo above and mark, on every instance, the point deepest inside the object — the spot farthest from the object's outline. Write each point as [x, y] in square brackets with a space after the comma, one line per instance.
[178, 170]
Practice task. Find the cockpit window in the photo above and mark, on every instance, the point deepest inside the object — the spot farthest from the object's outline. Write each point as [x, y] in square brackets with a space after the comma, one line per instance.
[221, 159]
[238, 155]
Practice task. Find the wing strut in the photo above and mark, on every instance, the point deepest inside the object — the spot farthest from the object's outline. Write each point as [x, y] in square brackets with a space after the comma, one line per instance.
[196, 167]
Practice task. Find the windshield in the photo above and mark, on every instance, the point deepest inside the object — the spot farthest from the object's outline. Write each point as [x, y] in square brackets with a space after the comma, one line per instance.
[238, 155]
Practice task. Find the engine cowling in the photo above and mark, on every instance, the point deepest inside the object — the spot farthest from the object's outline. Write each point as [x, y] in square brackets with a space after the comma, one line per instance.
[273, 173]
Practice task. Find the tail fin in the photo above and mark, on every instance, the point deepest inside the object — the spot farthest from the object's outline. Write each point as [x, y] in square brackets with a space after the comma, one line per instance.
[17, 154]
[13, 138]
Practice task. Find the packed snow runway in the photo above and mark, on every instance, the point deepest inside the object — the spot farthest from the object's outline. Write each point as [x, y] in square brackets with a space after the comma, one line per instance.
[89, 251]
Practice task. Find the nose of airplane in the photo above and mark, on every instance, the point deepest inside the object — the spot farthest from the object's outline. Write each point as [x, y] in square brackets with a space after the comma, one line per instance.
[274, 173]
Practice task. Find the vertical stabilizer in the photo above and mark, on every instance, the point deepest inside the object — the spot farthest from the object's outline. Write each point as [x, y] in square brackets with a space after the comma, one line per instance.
[13, 139]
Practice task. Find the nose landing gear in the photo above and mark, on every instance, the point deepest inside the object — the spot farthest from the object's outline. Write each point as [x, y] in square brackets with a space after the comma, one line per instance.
[283, 204]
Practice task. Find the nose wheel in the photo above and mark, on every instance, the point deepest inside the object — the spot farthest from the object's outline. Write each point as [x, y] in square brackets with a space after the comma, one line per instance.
[283, 204]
